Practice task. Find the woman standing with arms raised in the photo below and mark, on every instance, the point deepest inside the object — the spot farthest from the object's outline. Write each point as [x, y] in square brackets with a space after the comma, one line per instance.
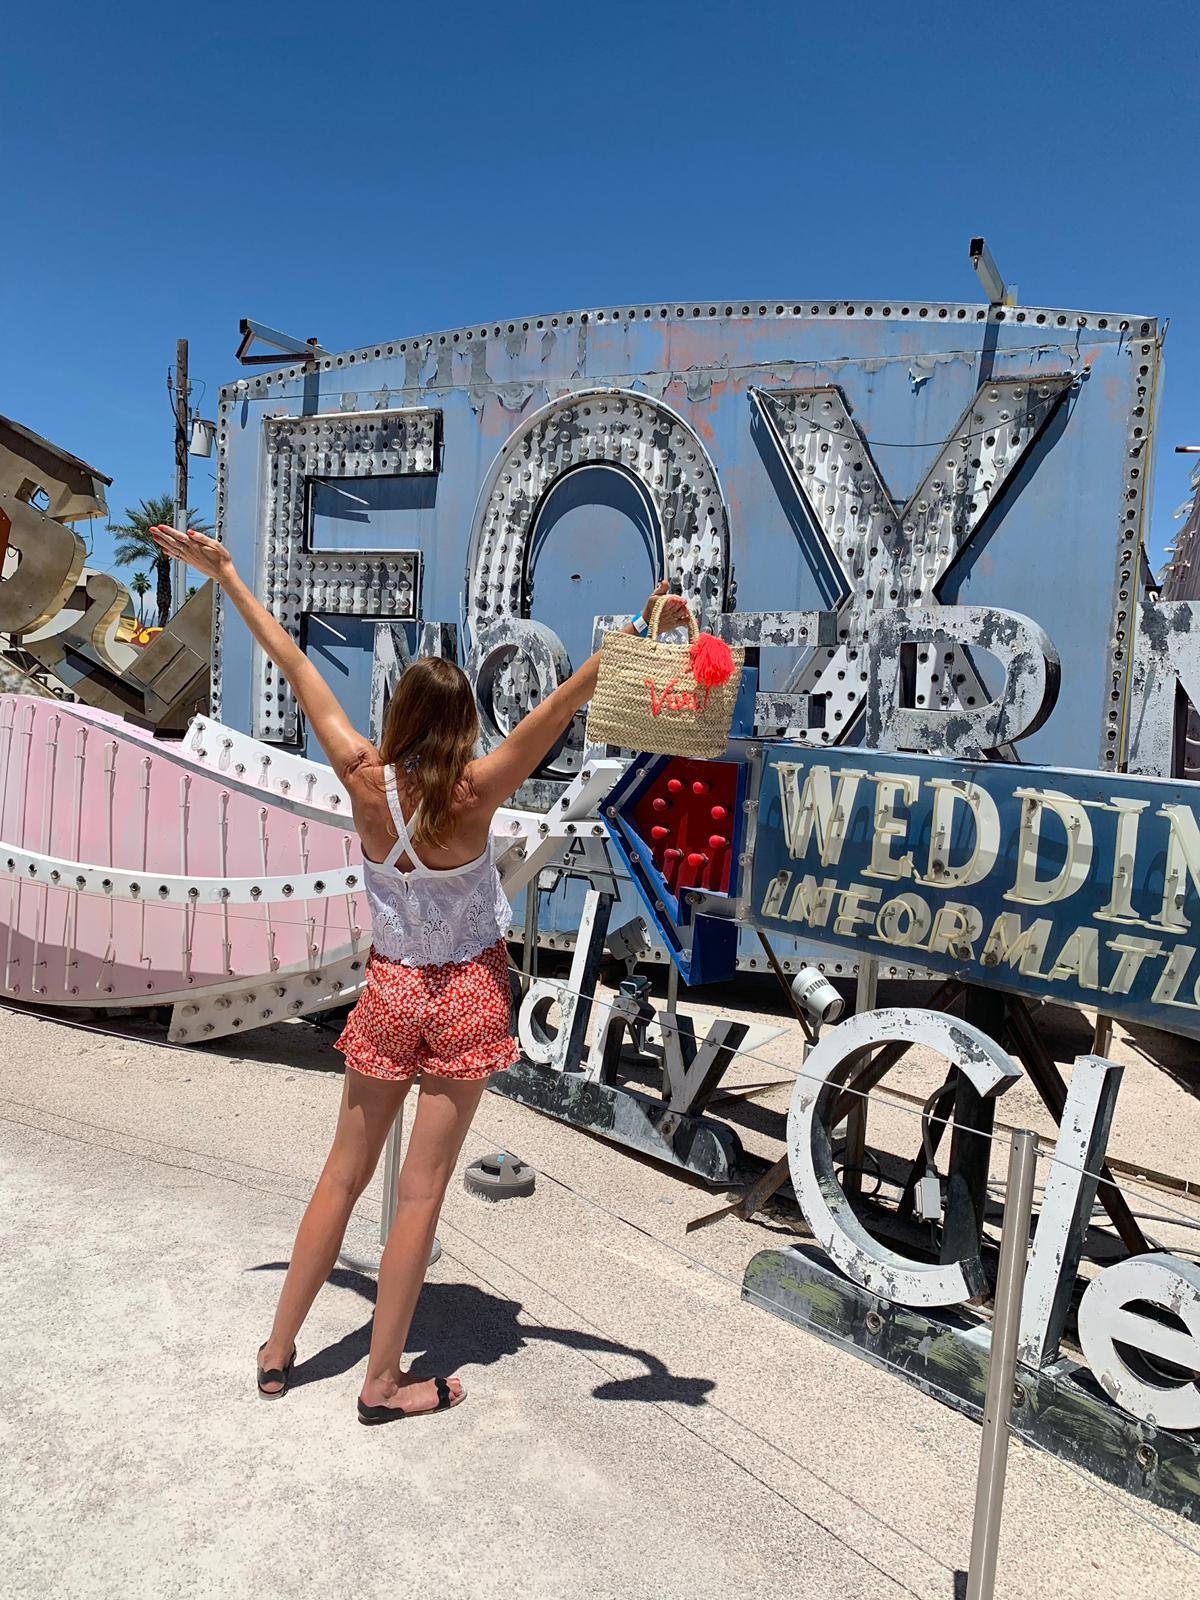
[437, 1001]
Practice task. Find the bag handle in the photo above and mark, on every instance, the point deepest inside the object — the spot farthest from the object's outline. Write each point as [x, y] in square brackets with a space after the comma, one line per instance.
[656, 606]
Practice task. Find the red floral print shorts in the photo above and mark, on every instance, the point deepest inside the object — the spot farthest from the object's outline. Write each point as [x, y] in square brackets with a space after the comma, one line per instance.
[452, 1021]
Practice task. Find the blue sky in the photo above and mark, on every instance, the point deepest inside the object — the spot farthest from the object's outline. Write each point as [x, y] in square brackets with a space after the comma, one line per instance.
[378, 172]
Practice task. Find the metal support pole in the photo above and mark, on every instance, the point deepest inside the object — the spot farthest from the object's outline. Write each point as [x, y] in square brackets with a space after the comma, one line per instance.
[673, 989]
[854, 1149]
[867, 987]
[1002, 1366]
[1102, 1035]
[529, 947]
[178, 570]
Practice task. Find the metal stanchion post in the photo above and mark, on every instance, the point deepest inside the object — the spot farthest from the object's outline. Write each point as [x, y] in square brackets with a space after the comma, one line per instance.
[387, 1212]
[391, 1172]
[1002, 1366]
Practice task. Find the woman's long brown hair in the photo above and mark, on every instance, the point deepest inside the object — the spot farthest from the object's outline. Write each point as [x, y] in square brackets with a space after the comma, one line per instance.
[429, 735]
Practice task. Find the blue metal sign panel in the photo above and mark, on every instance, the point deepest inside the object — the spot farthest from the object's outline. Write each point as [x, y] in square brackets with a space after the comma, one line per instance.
[769, 456]
[1078, 886]
[505, 485]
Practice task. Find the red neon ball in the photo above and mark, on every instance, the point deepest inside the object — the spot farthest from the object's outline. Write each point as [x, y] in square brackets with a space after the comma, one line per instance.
[674, 785]
[673, 854]
[659, 804]
[718, 813]
[717, 841]
[697, 858]
[700, 786]
[659, 834]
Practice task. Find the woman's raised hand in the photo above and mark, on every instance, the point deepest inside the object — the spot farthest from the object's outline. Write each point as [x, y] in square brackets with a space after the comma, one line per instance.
[673, 614]
[208, 556]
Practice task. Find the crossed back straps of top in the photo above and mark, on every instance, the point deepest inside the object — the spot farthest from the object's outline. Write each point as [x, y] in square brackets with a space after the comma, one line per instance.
[404, 830]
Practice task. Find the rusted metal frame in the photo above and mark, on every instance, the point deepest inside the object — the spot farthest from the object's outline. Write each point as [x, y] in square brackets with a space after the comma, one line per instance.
[1170, 1181]
[1047, 1080]
[306, 350]
[1102, 1035]
[759, 1193]
[1131, 542]
[777, 969]
[775, 1177]
[1054, 319]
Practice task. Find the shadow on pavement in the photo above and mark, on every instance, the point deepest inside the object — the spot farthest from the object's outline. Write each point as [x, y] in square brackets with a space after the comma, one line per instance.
[457, 1324]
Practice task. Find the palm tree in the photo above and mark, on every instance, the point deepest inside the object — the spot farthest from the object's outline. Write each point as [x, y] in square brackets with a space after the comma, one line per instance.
[140, 585]
[136, 543]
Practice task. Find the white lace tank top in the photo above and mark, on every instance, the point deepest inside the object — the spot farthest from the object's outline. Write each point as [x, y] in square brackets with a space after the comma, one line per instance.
[429, 916]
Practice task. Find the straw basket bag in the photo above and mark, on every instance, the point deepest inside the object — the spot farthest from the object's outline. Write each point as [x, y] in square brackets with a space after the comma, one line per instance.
[667, 699]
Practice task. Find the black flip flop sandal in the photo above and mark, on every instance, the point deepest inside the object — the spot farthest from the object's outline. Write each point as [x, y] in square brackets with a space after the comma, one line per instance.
[280, 1375]
[371, 1415]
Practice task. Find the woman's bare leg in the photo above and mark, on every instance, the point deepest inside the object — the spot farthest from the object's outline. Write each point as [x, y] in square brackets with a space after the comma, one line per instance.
[444, 1111]
[369, 1107]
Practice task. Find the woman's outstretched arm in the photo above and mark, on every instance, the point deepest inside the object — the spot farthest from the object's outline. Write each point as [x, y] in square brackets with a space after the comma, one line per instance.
[338, 738]
[496, 776]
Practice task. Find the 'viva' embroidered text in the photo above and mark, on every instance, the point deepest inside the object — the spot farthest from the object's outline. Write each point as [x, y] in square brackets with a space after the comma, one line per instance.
[675, 699]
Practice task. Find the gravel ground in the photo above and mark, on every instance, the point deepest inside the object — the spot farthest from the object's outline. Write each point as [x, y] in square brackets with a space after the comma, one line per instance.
[633, 1429]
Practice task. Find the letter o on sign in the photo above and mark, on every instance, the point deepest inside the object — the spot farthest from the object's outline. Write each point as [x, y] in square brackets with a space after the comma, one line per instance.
[1111, 1331]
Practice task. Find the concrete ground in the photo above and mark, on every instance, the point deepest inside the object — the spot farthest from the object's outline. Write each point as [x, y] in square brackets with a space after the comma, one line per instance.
[632, 1430]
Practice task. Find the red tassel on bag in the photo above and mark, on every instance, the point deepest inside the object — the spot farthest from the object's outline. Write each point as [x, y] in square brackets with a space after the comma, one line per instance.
[711, 660]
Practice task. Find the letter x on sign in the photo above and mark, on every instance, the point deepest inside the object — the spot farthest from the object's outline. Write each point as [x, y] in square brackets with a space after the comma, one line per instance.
[889, 553]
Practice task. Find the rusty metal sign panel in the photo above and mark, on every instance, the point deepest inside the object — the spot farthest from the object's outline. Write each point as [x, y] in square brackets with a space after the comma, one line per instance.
[798, 467]
[1076, 886]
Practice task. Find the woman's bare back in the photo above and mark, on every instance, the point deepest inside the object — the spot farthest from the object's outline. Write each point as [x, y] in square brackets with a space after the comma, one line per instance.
[365, 781]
